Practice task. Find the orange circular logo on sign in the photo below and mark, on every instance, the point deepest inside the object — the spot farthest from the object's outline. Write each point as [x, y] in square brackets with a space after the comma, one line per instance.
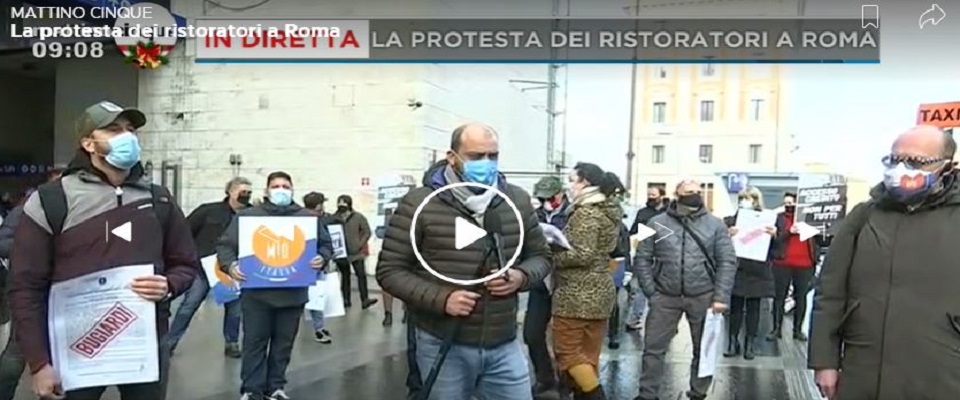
[276, 251]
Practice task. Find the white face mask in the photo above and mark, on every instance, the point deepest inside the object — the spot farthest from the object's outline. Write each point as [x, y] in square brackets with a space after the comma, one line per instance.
[747, 204]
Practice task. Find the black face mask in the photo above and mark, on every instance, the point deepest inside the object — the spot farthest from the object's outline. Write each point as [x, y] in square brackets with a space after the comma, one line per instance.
[789, 209]
[243, 199]
[342, 208]
[653, 202]
[692, 200]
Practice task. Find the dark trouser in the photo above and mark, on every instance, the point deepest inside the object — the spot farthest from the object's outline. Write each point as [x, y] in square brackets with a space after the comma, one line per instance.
[360, 272]
[4, 303]
[535, 323]
[615, 324]
[800, 278]
[141, 391]
[738, 307]
[414, 381]
[268, 336]
[661, 325]
[12, 365]
[192, 300]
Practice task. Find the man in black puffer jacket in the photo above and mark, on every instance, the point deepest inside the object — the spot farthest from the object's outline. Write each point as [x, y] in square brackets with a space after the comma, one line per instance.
[466, 318]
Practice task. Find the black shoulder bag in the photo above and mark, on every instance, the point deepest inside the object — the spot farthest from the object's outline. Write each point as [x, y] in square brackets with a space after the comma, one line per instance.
[711, 265]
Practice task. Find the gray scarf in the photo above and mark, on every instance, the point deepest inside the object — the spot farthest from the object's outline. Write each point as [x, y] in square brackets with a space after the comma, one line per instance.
[476, 203]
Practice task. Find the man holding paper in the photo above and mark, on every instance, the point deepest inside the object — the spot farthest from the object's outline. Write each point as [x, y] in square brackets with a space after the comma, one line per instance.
[685, 270]
[61, 240]
[271, 315]
[313, 202]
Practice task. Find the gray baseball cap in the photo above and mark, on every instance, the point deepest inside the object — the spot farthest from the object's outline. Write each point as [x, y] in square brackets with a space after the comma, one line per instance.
[104, 113]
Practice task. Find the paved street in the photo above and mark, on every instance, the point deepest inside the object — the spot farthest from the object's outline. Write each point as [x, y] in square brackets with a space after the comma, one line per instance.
[367, 360]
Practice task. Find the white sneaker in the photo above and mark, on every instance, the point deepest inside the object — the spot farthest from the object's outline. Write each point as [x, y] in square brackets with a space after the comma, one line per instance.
[323, 336]
[279, 394]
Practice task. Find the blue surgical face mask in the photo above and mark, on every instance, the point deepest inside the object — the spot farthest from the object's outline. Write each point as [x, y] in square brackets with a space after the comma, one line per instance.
[905, 184]
[124, 151]
[483, 171]
[280, 196]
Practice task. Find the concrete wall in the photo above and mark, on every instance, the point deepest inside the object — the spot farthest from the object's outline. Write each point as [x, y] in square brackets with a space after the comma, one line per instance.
[329, 126]
[80, 83]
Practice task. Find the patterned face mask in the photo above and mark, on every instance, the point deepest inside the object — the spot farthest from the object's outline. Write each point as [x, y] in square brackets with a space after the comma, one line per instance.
[904, 183]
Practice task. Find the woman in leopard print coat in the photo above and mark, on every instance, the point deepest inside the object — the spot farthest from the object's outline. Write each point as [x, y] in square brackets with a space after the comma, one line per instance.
[584, 292]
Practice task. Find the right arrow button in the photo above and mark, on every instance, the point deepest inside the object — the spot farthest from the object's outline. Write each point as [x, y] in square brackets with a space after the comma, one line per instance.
[645, 232]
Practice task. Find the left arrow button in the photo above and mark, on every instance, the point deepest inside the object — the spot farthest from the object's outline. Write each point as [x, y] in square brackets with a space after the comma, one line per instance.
[124, 231]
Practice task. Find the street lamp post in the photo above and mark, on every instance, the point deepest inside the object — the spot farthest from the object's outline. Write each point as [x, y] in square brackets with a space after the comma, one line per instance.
[633, 102]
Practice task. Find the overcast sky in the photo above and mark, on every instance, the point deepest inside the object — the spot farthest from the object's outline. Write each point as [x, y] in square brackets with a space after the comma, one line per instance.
[846, 115]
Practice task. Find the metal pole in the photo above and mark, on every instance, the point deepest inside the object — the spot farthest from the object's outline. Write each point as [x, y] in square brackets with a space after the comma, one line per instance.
[566, 97]
[633, 106]
[801, 9]
[552, 94]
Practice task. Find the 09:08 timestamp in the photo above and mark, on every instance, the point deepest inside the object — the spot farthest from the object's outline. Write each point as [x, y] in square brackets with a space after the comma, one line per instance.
[68, 50]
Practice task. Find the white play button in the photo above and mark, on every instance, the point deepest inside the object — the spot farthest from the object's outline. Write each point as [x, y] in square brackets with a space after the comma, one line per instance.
[644, 232]
[806, 231]
[465, 233]
[124, 231]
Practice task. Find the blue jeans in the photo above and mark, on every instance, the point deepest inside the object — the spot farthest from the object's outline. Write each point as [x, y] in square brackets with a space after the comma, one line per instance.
[191, 302]
[499, 373]
[317, 318]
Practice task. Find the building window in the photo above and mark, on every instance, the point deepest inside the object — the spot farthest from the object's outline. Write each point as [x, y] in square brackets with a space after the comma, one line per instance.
[754, 155]
[708, 70]
[756, 109]
[706, 153]
[658, 154]
[662, 72]
[707, 189]
[706, 111]
[659, 112]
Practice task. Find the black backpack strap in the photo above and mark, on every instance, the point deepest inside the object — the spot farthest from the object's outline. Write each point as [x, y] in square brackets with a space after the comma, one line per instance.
[54, 202]
[711, 265]
[162, 204]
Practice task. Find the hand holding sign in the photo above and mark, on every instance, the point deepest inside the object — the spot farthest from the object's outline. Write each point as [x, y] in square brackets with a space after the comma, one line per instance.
[152, 288]
[752, 233]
